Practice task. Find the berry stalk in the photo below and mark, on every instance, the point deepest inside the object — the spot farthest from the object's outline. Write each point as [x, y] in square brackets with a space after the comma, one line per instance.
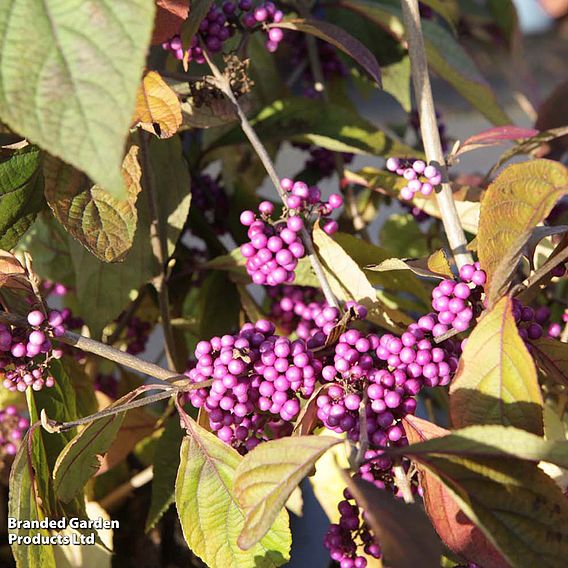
[225, 87]
[429, 129]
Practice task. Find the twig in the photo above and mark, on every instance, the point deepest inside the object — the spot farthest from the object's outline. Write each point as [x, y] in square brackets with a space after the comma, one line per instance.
[429, 130]
[117, 496]
[105, 351]
[225, 86]
[402, 483]
[158, 240]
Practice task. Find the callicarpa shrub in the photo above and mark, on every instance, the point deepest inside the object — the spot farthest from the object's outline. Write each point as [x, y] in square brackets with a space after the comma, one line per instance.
[257, 306]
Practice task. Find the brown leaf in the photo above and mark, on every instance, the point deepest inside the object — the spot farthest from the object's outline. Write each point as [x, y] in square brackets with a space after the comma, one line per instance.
[158, 109]
[12, 273]
[170, 15]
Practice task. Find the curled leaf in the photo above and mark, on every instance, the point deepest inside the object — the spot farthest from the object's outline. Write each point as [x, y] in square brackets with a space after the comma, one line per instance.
[157, 109]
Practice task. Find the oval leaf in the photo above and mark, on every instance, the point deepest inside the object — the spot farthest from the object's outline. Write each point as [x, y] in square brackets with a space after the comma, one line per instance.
[166, 463]
[21, 195]
[496, 381]
[211, 518]
[492, 441]
[406, 536]
[349, 282]
[495, 136]
[158, 109]
[339, 38]
[525, 192]
[268, 475]
[103, 224]
[445, 56]
[72, 90]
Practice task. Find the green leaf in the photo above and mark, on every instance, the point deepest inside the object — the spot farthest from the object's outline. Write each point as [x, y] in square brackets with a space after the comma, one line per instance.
[365, 253]
[504, 389]
[328, 125]
[166, 463]
[24, 504]
[81, 458]
[220, 305]
[105, 289]
[82, 385]
[492, 441]
[517, 507]
[48, 243]
[526, 192]
[405, 533]
[72, 90]
[403, 238]
[445, 56]
[59, 404]
[102, 223]
[339, 38]
[211, 518]
[21, 195]
[266, 477]
[349, 282]
[396, 81]
[520, 510]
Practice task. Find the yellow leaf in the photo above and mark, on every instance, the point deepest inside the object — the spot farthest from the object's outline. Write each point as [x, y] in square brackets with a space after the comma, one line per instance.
[158, 109]
[496, 381]
[518, 200]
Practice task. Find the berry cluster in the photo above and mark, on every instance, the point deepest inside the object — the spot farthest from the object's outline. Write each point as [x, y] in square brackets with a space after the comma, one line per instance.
[420, 177]
[107, 384]
[21, 350]
[322, 160]
[209, 196]
[13, 426]
[274, 248]
[530, 322]
[415, 123]
[344, 539]
[307, 200]
[221, 23]
[54, 288]
[137, 334]
[303, 310]
[264, 14]
[258, 379]
[456, 302]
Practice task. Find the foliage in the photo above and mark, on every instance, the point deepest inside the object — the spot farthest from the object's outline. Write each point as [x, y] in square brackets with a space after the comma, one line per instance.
[299, 335]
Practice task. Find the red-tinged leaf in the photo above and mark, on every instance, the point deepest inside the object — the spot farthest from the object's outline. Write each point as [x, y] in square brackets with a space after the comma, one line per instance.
[496, 381]
[495, 136]
[407, 538]
[340, 39]
[551, 357]
[457, 531]
[169, 18]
